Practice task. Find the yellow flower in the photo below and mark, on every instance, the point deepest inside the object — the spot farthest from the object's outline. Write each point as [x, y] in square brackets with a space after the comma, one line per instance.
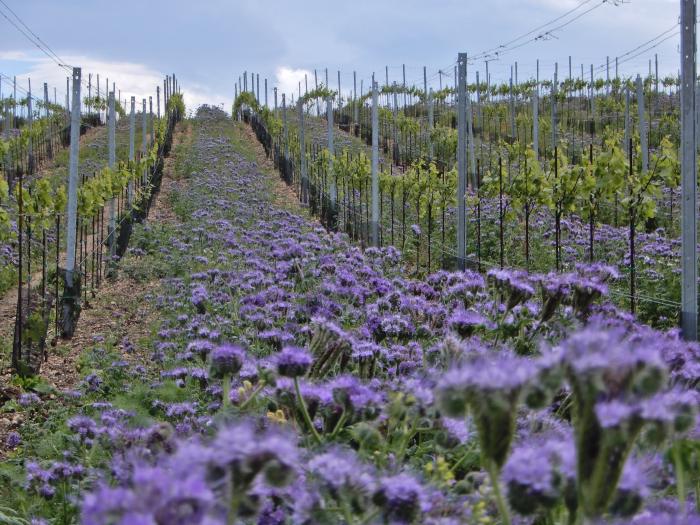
[277, 416]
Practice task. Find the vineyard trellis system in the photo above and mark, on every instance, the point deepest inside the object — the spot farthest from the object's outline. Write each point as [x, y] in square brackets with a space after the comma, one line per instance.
[91, 220]
[557, 172]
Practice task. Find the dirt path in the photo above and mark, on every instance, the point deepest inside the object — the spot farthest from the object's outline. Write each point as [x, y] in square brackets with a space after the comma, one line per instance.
[283, 194]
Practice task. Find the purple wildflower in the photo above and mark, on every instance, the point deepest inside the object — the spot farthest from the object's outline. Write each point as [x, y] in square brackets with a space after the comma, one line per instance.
[293, 361]
[226, 359]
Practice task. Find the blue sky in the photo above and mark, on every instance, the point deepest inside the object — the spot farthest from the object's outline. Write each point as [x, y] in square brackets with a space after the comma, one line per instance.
[208, 43]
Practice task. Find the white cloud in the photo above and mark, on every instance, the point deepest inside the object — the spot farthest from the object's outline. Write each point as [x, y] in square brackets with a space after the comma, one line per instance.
[288, 81]
[131, 78]
[15, 55]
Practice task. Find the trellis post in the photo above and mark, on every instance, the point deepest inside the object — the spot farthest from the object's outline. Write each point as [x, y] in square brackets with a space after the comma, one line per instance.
[374, 225]
[689, 259]
[461, 161]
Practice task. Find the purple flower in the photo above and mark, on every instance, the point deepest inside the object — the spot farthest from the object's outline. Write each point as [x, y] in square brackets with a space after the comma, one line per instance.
[465, 322]
[28, 399]
[225, 360]
[614, 413]
[199, 298]
[341, 469]
[605, 358]
[201, 346]
[13, 440]
[513, 284]
[400, 497]
[293, 361]
[84, 426]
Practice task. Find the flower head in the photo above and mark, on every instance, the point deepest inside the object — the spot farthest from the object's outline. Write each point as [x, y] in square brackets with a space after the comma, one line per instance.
[293, 361]
[226, 359]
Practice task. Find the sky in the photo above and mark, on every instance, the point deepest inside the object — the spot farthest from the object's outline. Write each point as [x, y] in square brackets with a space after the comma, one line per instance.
[208, 44]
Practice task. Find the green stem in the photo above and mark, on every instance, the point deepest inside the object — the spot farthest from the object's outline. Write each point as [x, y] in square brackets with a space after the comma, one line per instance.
[339, 425]
[235, 503]
[680, 476]
[65, 502]
[404, 442]
[500, 502]
[226, 391]
[253, 395]
[500, 325]
[370, 517]
[305, 412]
[347, 514]
[461, 460]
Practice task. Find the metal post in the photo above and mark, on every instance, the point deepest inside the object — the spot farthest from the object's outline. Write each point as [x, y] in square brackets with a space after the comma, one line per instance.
[628, 122]
[470, 138]
[356, 106]
[150, 119]
[479, 121]
[99, 116]
[158, 100]
[340, 97]
[607, 75]
[536, 123]
[404, 86]
[331, 154]
[286, 128]
[592, 95]
[461, 161]
[425, 82]
[656, 83]
[72, 212]
[488, 79]
[132, 148]
[318, 106]
[431, 123]
[30, 118]
[274, 92]
[689, 259]
[374, 224]
[697, 112]
[144, 129]
[512, 107]
[395, 118]
[266, 93]
[554, 106]
[46, 100]
[302, 156]
[643, 142]
[112, 160]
